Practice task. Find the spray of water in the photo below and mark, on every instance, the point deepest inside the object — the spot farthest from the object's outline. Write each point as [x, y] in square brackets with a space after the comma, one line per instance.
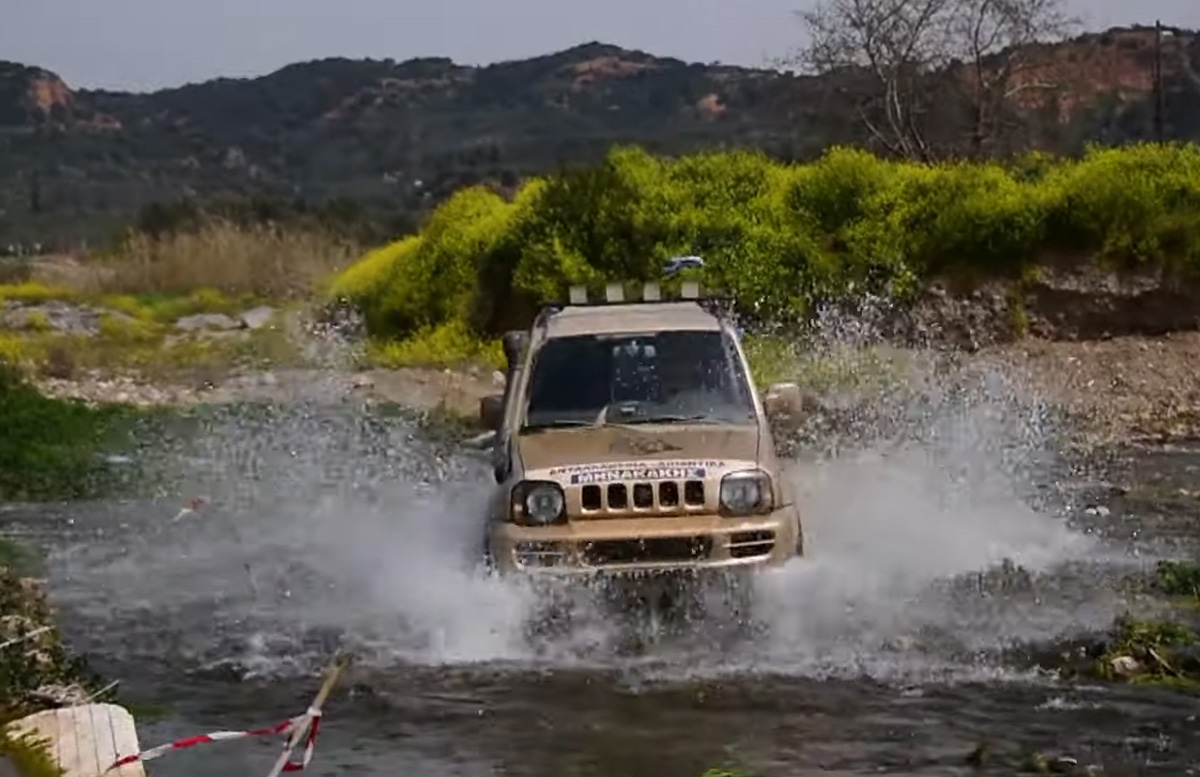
[333, 525]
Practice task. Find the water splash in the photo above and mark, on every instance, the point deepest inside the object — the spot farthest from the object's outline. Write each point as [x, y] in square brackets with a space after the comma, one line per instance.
[334, 525]
[935, 482]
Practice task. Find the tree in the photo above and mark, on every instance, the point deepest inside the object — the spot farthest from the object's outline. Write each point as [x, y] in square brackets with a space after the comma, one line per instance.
[995, 44]
[892, 56]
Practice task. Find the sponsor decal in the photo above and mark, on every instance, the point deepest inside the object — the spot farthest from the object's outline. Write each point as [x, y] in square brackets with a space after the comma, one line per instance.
[641, 473]
[668, 469]
[643, 446]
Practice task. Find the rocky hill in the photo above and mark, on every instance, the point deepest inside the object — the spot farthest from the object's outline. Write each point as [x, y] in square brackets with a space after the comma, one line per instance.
[394, 137]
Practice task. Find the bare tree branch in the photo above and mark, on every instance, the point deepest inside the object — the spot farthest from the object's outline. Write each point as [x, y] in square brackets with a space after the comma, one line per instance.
[898, 47]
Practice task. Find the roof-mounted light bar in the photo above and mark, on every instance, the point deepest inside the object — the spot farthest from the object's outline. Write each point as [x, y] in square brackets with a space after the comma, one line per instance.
[614, 293]
[652, 291]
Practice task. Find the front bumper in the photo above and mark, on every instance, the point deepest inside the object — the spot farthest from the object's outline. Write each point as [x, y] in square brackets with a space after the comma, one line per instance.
[646, 545]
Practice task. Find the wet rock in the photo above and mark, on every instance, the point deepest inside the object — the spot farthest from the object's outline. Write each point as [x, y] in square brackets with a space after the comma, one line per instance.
[1125, 666]
[1040, 763]
[903, 643]
[980, 756]
[56, 695]
[256, 318]
[201, 321]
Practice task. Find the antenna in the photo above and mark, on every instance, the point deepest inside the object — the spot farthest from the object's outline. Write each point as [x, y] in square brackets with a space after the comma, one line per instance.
[1159, 129]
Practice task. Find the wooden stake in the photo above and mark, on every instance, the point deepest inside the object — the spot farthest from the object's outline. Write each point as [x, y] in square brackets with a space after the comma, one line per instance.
[300, 732]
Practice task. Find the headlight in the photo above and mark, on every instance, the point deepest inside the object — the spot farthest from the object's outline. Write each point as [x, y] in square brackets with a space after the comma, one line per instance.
[538, 503]
[746, 493]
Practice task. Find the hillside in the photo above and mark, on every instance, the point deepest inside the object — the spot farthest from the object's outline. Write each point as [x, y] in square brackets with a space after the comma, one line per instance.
[396, 137]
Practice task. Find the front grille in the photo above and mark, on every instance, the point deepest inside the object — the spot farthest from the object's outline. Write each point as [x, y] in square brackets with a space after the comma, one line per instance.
[539, 554]
[652, 550]
[747, 544]
[663, 497]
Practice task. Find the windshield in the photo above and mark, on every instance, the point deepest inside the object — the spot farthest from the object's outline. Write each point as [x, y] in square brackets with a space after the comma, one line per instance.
[662, 377]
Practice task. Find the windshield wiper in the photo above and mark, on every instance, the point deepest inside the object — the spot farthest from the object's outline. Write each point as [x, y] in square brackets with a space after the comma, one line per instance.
[670, 419]
[561, 423]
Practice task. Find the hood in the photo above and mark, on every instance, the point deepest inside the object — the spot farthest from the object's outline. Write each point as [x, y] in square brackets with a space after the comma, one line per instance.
[553, 448]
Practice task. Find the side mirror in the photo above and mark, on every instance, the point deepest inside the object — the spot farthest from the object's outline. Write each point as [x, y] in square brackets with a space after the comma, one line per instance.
[514, 342]
[783, 402]
[491, 411]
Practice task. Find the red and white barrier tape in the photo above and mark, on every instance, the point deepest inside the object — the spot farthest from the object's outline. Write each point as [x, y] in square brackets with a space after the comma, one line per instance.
[286, 727]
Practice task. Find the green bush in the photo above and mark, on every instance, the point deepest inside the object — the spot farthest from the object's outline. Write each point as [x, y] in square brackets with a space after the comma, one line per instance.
[781, 239]
[49, 448]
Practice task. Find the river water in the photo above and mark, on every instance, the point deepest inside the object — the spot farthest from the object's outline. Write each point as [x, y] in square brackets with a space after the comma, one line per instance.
[885, 651]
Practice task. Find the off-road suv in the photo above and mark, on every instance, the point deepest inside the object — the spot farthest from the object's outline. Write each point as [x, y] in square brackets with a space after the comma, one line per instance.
[630, 438]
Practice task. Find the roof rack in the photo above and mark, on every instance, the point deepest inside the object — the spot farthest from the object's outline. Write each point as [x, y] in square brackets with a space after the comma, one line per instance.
[689, 290]
[614, 293]
[718, 305]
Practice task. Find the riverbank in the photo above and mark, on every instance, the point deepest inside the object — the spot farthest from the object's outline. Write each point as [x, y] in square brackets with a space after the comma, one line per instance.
[1115, 389]
[37, 671]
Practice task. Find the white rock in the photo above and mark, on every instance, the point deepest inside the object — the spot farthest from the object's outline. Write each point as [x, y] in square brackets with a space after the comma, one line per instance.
[257, 318]
[207, 321]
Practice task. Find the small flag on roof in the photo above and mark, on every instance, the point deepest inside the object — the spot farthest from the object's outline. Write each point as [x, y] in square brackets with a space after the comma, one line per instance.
[680, 263]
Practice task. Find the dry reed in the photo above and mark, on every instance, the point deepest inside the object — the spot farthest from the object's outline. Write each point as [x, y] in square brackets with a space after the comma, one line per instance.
[263, 261]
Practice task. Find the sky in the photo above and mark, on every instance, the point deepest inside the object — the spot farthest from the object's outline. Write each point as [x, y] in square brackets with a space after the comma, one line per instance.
[151, 44]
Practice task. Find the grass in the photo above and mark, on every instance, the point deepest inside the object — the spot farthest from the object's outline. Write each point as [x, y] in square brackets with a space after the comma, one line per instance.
[39, 661]
[264, 262]
[33, 292]
[50, 448]
[447, 346]
[1151, 646]
[29, 755]
[1179, 579]
[152, 353]
[18, 558]
[143, 305]
[148, 283]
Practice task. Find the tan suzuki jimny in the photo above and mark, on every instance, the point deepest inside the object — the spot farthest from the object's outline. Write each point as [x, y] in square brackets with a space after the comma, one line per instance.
[630, 438]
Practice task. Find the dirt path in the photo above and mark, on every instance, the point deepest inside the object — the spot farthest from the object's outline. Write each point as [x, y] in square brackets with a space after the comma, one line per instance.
[1123, 388]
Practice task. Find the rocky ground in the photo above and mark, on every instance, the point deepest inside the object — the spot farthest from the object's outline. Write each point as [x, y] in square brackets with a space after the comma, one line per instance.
[1131, 387]
[1125, 388]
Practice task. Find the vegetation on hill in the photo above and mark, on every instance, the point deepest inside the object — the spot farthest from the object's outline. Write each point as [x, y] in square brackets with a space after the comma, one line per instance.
[369, 147]
[782, 239]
